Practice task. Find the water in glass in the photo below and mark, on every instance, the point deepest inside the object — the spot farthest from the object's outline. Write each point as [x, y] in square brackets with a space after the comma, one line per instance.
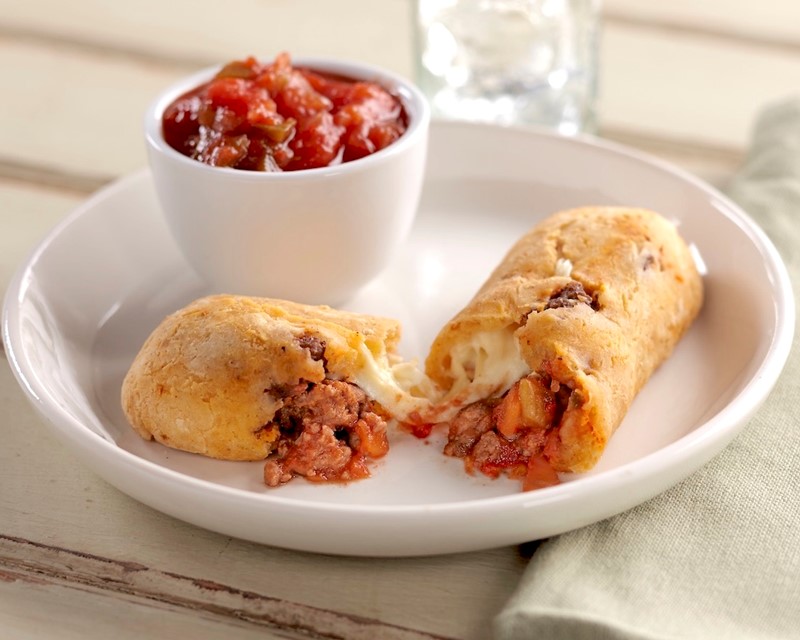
[510, 61]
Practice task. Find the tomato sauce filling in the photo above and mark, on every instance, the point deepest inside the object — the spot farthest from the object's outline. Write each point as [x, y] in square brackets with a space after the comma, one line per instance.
[328, 432]
[276, 117]
[420, 430]
[516, 434]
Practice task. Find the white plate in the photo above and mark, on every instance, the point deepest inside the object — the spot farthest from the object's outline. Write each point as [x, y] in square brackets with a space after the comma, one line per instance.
[78, 310]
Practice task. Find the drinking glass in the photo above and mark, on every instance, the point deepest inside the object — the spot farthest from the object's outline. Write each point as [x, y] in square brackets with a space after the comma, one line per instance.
[510, 61]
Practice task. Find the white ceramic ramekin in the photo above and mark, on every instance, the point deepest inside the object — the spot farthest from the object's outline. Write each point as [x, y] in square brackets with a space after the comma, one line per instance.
[315, 235]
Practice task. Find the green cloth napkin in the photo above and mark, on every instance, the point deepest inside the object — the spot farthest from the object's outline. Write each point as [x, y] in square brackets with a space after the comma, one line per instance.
[717, 556]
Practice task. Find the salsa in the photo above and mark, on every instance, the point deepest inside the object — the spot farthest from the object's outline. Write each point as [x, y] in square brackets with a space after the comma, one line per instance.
[276, 117]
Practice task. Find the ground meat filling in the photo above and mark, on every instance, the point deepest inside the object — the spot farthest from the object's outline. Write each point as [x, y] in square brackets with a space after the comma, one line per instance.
[315, 347]
[468, 426]
[570, 295]
[328, 431]
[512, 434]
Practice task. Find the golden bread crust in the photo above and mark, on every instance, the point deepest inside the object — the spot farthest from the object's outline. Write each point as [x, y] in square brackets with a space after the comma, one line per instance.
[208, 379]
[642, 291]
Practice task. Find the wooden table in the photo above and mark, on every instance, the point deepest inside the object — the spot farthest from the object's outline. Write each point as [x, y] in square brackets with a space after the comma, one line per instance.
[78, 559]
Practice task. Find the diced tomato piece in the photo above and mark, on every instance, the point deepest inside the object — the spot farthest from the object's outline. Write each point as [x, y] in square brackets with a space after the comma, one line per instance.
[540, 474]
[371, 119]
[298, 99]
[316, 144]
[507, 415]
[373, 444]
[552, 445]
[537, 401]
[180, 124]
[338, 91]
[220, 150]
[421, 431]
[232, 94]
[356, 469]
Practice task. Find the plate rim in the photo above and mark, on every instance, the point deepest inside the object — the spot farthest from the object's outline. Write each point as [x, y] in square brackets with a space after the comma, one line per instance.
[720, 428]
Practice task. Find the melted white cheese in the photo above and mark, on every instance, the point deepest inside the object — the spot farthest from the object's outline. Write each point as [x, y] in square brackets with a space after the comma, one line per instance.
[563, 268]
[402, 387]
[488, 363]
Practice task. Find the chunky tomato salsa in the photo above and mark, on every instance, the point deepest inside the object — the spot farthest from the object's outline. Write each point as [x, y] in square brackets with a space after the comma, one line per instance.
[275, 117]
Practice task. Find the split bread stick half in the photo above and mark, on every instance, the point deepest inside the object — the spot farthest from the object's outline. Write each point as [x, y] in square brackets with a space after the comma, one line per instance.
[310, 389]
[541, 366]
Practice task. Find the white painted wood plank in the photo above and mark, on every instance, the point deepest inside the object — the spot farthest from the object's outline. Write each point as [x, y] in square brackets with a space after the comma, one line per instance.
[78, 113]
[179, 28]
[770, 20]
[46, 496]
[689, 88]
[134, 583]
[33, 608]
[379, 32]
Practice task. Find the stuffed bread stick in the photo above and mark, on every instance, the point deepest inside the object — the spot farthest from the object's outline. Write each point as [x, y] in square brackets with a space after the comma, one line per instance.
[309, 389]
[541, 366]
